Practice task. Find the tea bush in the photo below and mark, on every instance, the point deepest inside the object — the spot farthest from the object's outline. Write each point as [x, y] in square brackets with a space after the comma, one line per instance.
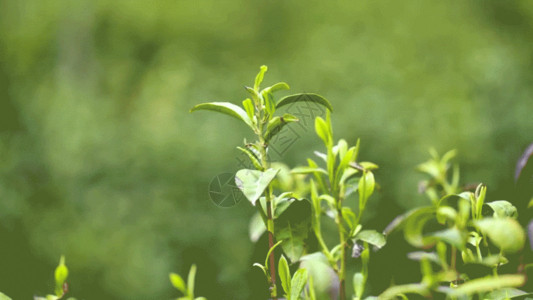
[457, 228]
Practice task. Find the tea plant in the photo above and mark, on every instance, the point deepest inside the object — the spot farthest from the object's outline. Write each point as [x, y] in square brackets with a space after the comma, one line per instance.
[466, 226]
[342, 177]
[258, 113]
[186, 289]
[469, 231]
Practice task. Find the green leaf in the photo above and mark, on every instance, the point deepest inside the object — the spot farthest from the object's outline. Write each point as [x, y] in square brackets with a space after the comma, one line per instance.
[507, 234]
[349, 216]
[270, 251]
[308, 170]
[358, 284]
[414, 226]
[321, 128]
[366, 188]
[270, 105]
[292, 228]
[503, 209]
[190, 280]
[452, 236]
[298, 283]
[487, 284]
[413, 288]
[61, 274]
[260, 266]
[284, 274]
[259, 77]
[277, 87]
[249, 108]
[275, 125]
[506, 293]
[372, 237]
[253, 182]
[257, 227]
[178, 282]
[4, 297]
[304, 97]
[421, 255]
[227, 108]
[251, 155]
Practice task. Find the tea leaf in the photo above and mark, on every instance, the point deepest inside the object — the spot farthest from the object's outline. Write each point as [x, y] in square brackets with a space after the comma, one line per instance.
[298, 283]
[487, 284]
[372, 237]
[190, 281]
[276, 87]
[227, 108]
[305, 97]
[507, 234]
[254, 159]
[275, 125]
[284, 274]
[178, 282]
[259, 77]
[322, 131]
[257, 227]
[502, 209]
[451, 236]
[249, 108]
[61, 274]
[253, 183]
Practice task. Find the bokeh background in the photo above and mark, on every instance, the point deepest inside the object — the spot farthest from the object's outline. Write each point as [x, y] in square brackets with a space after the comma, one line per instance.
[101, 161]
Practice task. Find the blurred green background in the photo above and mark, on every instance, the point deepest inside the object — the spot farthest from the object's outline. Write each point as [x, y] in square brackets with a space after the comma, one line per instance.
[101, 161]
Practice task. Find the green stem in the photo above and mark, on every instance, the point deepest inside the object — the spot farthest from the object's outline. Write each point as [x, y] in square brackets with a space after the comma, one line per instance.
[270, 220]
[342, 270]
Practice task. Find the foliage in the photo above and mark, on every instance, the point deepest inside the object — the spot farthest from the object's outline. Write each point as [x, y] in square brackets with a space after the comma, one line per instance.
[461, 221]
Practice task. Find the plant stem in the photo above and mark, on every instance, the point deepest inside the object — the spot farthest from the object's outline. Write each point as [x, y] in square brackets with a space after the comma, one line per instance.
[342, 270]
[270, 220]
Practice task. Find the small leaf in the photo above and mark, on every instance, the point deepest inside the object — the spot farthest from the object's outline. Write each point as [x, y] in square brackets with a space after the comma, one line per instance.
[260, 266]
[251, 155]
[298, 283]
[259, 77]
[277, 87]
[257, 227]
[276, 124]
[249, 108]
[372, 237]
[284, 274]
[349, 216]
[366, 188]
[368, 165]
[506, 234]
[305, 97]
[322, 131]
[253, 182]
[190, 280]
[308, 170]
[178, 282]
[420, 255]
[270, 105]
[503, 209]
[61, 274]
[227, 108]
[451, 236]
[487, 284]
[358, 284]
